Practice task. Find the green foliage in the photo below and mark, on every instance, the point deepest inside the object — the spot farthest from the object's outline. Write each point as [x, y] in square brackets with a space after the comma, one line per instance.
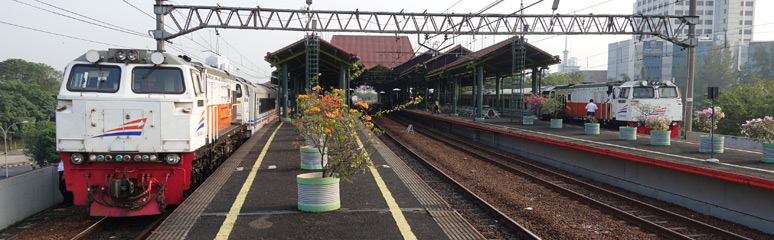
[553, 105]
[21, 101]
[657, 122]
[745, 101]
[764, 62]
[31, 73]
[563, 78]
[40, 141]
[625, 77]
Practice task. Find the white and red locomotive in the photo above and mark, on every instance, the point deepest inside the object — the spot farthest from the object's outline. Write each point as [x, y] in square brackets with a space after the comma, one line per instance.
[630, 99]
[136, 129]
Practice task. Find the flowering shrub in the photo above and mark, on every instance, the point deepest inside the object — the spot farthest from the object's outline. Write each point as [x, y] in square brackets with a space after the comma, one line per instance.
[553, 105]
[329, 123]
[704, 121]
[536, 101]
[657, 122]
[759, 129]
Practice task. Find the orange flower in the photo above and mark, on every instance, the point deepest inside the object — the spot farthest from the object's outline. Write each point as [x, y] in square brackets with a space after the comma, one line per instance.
[314, 109]
[353, 110]
[362, 104]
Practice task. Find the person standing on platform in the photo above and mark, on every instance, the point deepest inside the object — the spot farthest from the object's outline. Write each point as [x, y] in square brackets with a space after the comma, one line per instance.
[591, 109]
[66, 195]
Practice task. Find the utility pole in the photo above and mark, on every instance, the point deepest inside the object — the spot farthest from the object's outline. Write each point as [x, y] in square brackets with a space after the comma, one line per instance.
[688, 111]
[159, 11]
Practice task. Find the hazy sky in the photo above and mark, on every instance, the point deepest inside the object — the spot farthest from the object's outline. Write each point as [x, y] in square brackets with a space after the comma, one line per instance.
[23, 25]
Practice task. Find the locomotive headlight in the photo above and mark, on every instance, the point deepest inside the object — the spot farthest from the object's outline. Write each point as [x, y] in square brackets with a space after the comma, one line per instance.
[76, 158]
[172, 159]
[120, 56]
[92, 157]
[673, 124]
[154, 158]
[133, 56]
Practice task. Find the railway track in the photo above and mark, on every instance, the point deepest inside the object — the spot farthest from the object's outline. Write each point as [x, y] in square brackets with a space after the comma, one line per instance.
[502, 217]
[138, 228]
[651, 218]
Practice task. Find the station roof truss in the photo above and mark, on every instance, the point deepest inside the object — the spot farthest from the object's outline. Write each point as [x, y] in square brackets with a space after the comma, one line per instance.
[331, 58]
[186, 19]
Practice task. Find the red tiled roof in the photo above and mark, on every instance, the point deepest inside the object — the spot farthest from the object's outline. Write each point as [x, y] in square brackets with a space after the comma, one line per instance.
[389, 51]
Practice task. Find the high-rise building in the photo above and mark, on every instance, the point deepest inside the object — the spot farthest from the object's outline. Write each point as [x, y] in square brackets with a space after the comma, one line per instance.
[719, 21]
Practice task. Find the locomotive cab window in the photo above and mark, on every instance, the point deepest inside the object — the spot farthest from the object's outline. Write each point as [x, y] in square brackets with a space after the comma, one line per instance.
[667, 92]
[238, 91]
[94, 78]
[157, 80]
[624, 94]
[643, 92]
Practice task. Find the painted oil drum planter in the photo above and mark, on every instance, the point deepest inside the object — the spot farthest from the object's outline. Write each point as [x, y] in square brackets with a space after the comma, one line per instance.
[660, 138]
[768, 152]
[591, 128]
[528, 120]
[709, 144]
[317, 193]
[556, 123]
[627, 133]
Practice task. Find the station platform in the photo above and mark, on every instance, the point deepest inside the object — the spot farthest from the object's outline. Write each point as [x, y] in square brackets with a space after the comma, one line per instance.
[253, 195]
[736, 164]
[738, 188]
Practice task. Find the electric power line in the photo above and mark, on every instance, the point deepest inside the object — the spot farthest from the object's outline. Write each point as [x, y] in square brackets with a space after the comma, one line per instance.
[61, 35]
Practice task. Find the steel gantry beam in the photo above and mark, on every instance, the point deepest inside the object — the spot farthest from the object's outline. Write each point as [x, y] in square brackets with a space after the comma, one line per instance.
[186, 19]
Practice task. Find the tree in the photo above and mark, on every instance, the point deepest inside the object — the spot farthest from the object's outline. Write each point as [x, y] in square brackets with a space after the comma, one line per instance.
[20, 102]
[40, 142]
[563, 78]
[625, 77]
[718, 70]
[764, 62]
[743, 102]
[31, 73]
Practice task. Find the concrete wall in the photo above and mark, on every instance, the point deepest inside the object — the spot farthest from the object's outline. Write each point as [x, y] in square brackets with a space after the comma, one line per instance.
[731, 201]
[23, 195]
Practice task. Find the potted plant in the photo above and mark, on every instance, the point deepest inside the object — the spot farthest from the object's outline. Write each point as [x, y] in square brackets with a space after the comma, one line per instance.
[761, 130]
[332, 127]
[705, 121]
[659, 135]
[535, 102]
[553, 105]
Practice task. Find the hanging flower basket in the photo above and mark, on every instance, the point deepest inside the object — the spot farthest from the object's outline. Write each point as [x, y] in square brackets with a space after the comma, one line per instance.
[627, 133]
[556, 123]
[592, 128]
[317, 193]
[708, 144]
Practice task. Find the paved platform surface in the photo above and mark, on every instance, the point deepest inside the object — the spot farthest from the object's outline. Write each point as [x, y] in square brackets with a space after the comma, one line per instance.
[736, 164]
[403, 207]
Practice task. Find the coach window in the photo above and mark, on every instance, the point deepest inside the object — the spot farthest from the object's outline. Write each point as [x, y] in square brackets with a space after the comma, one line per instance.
[94, 78]
[667, 92]
[643, 92]
[624, 93]
[157, 80]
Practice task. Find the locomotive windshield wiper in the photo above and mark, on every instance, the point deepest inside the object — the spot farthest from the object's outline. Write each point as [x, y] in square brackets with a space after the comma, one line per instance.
[145, 76]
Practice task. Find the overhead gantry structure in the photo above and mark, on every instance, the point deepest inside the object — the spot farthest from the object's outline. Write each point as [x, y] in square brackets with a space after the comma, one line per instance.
[187, 19]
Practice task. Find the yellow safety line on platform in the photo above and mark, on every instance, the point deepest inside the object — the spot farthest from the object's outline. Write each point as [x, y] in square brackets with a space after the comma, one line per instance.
[397, 214]
[631, 148]
[231, 217]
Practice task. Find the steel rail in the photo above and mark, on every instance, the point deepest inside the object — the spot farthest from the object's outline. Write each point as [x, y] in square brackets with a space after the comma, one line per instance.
[518, 228]
[91, 229]
[452, 141]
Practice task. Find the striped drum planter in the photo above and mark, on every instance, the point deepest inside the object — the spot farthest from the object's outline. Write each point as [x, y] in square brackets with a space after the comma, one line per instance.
[310, 158]
[556, 123]
[528, 120]
[592, 129]
[660, 138]
[627, 133]
[317, 193]
[768, 152]
[706, 144]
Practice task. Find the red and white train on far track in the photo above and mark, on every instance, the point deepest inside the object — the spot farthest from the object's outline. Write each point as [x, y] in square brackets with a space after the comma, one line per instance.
[136, 129]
